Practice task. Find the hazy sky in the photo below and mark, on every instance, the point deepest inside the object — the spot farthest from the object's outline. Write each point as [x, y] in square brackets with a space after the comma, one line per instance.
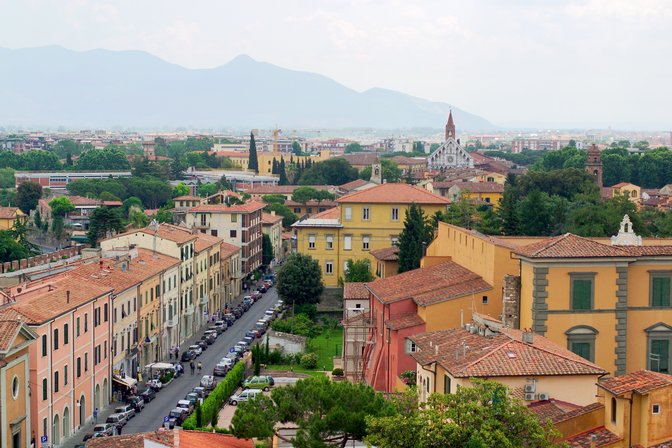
[515, 62]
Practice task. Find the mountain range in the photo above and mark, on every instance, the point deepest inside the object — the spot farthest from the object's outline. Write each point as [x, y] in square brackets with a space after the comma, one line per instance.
[53, 86]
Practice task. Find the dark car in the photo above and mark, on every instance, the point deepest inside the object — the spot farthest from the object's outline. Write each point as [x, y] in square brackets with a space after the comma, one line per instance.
[237, 312]
[138, 403]
[229, 318]
[148, 395]
[249, 339]
[256, 295]
[203, 344]
[209, 339]
[187, 356]
[262, 288]
[252, 333]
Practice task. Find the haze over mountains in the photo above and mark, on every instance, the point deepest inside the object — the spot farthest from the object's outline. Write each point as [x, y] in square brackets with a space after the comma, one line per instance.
[52, 86]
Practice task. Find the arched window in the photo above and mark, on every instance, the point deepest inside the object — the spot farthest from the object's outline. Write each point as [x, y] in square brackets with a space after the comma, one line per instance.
[613, 409]
[581, 340]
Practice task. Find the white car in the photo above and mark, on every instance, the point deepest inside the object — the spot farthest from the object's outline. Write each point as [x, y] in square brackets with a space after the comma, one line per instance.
[155, 384]
[226, 361]
[196, 349]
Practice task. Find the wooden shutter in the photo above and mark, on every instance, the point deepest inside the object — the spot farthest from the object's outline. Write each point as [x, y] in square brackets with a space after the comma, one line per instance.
[660, 294]
[581, 294]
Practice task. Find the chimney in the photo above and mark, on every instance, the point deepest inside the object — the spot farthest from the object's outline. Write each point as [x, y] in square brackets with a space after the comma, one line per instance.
[528, 336]
[436, 349]
[67, 296]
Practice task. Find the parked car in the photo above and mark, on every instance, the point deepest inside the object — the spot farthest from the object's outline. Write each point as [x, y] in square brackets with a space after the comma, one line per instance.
[251, 333]
[237, 312]
[261, 326]
[127, 409]
[203, 345]
[220, 370]
[212, 332]
[271, 380]
[249, 339]
[148, 395]
[196, 349]
[155, 384]
[233, 356]
[208, 382]
[230, 317]
[221, 326]
[137, 402]
[245, 395]
[248, 299]
[227, 360]
[201, 391]
[268, 283]
[104, 429]
[117, 419]
[256, 295]
[257, 382]
[208, 338]
[187, 356]
[192, 398]
[186, 404]
[175, 418]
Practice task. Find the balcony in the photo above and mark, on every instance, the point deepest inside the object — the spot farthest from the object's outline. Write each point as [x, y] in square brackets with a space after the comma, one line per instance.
[204, 299]
[171, 322]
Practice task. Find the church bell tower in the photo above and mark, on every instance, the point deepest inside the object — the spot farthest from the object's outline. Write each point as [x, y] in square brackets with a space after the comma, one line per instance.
[594, 164]
[450, 127]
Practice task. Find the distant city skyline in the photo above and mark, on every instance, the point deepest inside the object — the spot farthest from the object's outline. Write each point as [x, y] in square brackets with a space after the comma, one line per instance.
[554, 64]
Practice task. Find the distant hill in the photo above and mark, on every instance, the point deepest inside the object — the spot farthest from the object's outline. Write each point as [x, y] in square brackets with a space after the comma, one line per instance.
[53, 86]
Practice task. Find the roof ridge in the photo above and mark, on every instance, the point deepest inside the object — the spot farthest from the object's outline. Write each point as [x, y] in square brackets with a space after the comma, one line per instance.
[538, 347]
[488, 353]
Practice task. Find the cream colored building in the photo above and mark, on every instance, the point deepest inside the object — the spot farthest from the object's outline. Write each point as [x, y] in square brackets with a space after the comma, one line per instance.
[231, 274]
[271, 225]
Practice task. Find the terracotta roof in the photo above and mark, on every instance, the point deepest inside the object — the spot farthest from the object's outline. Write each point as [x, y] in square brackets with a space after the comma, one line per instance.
[248, 207]
[113, 203]
[386, 254]
[641, 381]
[204, 241]
[577, 412]
[603, 437]
[169, 232]
[394, 194]
[311, 203]
[81, 201]
[187, 198]
[571, 246]
[551, 409]
[361, 158]
[480, 187]
[503, 354]
[8, 330]
[284, 189]
[171, 439]
[9, 212]
[404, 321]
[199, 439]
[403, 160]
[228, 249]
[429, 285]
[353, 184]
[268, 218]
[622, 184]
[355, 290]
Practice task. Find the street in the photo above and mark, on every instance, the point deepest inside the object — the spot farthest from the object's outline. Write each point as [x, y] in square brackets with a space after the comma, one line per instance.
[152, 416]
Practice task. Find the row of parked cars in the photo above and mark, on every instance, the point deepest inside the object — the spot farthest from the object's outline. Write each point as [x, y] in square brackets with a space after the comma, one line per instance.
[185, 407]
[122, 414]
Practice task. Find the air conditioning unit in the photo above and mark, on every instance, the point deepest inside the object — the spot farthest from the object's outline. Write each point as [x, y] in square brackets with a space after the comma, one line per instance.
[530, 388]
[544, 396]
[529, 397]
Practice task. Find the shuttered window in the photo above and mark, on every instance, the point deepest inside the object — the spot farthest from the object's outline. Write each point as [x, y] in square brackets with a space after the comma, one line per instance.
[660, 291]
[582, 294]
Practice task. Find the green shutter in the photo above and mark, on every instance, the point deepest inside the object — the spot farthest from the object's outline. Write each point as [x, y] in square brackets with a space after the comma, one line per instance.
[582, 291]
[660, 291]
[661, 347]
[582, 349]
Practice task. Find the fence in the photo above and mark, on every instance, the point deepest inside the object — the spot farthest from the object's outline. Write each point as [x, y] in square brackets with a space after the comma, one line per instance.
[12, 266]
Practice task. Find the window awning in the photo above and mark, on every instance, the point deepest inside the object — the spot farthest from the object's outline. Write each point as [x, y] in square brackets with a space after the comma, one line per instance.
[127, 381]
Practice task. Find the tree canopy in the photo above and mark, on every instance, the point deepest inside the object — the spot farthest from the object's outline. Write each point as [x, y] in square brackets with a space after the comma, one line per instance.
[103, 159]
[390, 171]
[300, 280]
[61, 206]
[358, 271]
[253, 161]
[418, 232]
[104, 222]
[335, 171]
[305, 194]
[28, 195]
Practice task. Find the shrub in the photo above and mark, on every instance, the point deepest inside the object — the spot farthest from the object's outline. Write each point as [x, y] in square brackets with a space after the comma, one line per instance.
[211, 405]
[166, 378]
[301, 325]
[409, 377]
[337, 372]
[275, 357]
[309, 361]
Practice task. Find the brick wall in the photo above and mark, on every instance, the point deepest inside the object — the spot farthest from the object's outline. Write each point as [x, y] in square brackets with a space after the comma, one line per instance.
[11, 266]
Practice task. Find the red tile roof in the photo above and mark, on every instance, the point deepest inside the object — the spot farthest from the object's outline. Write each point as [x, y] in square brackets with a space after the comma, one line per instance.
[172, 439]
[9, 212]
[478, 187]
[205, 241]
[577, 412]
[8, 331]
[403, 160]
[331, 213]
[386, 254]
[353, 184]
[81, 201]
[355, 290]
[641, 381]
[603, 437]
[551, 409]
[571, 246]
[268, 218]
[187, 198]
[248, 207]
[429, 285]
[168, 232]
[504, 354]
[394, 194]
[404, 321]
[361, 158]
[283, 189]
[228, 249]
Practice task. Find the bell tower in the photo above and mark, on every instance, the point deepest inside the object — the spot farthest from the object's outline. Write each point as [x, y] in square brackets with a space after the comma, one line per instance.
[450, 126]
[594, 164]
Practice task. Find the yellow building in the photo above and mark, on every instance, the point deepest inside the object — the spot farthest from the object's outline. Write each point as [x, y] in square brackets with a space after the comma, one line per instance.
[8, 217]
[265, 159]
[14, 383]
[207, 282]
[478, 192]
[610, 303]
[630, 191]
[365, 220]
[491, 176]
[386, 261]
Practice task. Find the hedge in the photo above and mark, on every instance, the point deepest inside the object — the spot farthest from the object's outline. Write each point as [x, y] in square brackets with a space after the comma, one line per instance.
[217, 397]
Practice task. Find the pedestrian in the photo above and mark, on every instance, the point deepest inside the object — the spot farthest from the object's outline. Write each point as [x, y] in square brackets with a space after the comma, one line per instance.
[200, 366]
[119, 429]
[177, 353]
[170, 353]
[191, 364]
[95, 416]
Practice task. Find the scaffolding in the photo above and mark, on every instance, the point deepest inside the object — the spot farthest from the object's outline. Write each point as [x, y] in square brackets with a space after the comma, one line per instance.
[357, 325]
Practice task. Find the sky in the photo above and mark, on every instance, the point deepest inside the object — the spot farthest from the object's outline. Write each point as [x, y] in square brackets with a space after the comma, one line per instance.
[545, 63]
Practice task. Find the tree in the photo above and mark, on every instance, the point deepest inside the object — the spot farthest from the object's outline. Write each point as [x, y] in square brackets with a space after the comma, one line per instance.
[109, 158]
[274, 198]
[300, 280]
[207, 189]
[61, 206]
[358, 271]
[353, 147]
[103, 222]
[288, 216]
[163, 215]
[39, 161]
[133, 201]
[28, 195]
[296, 148]
[267, 252]
[390, 171]
[137, 218]
[282, 172]
[484, 415]
[10, 249]
[66, 147]
[335, 171]
[417, 233]
[37, 219]
[181, 189]
[253, 162]
[327, 413]
[7, 177]
[460, 213]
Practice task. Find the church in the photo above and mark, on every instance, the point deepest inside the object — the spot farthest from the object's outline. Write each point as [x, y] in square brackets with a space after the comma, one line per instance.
[450, 154]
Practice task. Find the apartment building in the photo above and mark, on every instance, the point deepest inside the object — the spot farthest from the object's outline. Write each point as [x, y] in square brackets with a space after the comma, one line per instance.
[271, 225]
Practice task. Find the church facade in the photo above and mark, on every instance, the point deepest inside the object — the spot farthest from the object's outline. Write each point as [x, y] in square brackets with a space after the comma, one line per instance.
[450, 154]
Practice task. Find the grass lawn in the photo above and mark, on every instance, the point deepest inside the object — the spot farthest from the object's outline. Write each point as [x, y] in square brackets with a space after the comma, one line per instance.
[294, 368]
[326, 345]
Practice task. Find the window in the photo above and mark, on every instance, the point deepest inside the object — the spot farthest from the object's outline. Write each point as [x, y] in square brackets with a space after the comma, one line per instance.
[79, 367]
[582, 291]
[213, 232]
[234, 217]
[365, 242]
[613, 409]
[56, 381]
[104, 349]
[348, 213]
[366, 213]
[484, 300]
[233, 233]
[395, 213]
[347, 242]
[15, 387]
[65, 375]
[66, 334]
[330, 242]
[105, 312]
[329, 267]
[77, 327]
[659, 339]
[297, 210]
[655, 409]
[44, 345]
[44, 389]
[446, 384]
[86, 362]
[581, 340]
[410, 346]
[311, 241]
[55, 341]
[660, 289]
[114, 316]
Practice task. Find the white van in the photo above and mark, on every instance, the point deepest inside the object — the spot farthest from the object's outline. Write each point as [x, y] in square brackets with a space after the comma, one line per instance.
[245, 395]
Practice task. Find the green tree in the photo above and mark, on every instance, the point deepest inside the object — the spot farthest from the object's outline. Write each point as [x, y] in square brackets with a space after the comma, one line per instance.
[39, 161]
[163, 215]
[484, 415]
[353, 147]
[137, 218]
[7, 177]
[296, 148]
[275, 198]
[10, 249]
[133, 201]
[358, 271]
[390, 171]
[253, 162]
[181, 189]
[300, 280]
[28, 195]
[207, 189]
[58, 227]
[336, 171]
[266, 250]
[288, 216]
[66, 147]
[104, 222]
[460, 213]
[417, 233]
[327, 413]
[61, 206]
[488, 222]
[37, 219]
[103, 159]
[282, 172]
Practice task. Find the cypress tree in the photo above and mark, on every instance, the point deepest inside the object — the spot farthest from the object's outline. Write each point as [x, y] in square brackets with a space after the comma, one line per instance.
[417, 230]
[253, 163]
[274, 169]
[283, 173]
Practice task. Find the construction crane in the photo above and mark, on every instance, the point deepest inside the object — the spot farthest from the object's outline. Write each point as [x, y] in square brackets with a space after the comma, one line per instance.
[276, 151]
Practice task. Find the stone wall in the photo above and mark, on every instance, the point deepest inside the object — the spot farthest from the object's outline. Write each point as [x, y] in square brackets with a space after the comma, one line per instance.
[511, 306]
[13, 266]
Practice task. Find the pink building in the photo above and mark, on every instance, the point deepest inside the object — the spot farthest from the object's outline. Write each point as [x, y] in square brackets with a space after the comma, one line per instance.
[69, 361]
